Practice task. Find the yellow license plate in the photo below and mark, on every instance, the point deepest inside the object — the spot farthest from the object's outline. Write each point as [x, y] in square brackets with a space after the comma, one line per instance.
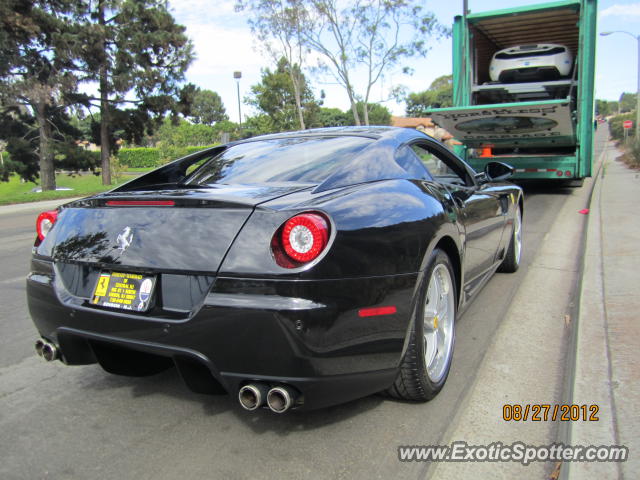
[127, 291]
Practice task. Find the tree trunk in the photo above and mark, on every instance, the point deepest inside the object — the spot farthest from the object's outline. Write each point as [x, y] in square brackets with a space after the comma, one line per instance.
[352, 100]
[295, 80]
[366, 113]
[354, 108]
[366, 103]
[105, 146]
[296, 94]
[47, 170]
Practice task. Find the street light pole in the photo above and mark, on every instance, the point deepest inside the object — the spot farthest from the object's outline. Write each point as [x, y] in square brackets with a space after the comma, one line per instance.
[637, 38]
[238, 75]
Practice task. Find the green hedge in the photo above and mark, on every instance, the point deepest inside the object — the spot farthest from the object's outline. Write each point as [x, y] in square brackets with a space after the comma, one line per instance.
[139, 157]
[144, 157]
[191, 150]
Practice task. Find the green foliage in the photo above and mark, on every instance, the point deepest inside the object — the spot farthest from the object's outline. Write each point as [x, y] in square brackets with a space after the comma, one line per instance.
[378, 114]
[278, 26]
[606, 107]
[207, 108]
[22, 137]
[332, 117]
[174, 137]
[131, 48]
[117, 168]
[274, 96]
[195, 149]
[36, 51]
[258, 125]
[627, 102]
[181, 133]
[139, 157]
[615, 125]
[438, 95]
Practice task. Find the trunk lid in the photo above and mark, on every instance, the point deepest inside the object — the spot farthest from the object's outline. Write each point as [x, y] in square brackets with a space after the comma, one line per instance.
[187, 230]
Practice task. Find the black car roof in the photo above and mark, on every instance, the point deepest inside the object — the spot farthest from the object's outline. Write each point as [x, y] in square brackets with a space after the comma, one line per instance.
[374, 132]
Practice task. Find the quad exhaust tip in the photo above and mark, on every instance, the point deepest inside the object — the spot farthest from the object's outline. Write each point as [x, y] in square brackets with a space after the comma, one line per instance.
[253, 396]
[47, 350]
[280, 399]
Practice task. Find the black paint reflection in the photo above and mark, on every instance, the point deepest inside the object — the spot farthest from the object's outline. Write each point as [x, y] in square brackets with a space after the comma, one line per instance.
[92, 244]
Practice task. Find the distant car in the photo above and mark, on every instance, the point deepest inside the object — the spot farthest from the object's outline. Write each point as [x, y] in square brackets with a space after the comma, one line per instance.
[528, 63]
[296, 270]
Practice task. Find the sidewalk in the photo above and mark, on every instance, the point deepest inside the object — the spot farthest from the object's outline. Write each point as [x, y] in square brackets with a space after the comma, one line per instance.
[608, 343]
[531, 359]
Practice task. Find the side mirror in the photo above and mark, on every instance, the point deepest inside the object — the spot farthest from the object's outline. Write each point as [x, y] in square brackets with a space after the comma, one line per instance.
[498, 171]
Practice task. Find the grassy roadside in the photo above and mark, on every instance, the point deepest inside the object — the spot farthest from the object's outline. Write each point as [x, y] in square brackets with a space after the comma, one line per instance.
[14, 191]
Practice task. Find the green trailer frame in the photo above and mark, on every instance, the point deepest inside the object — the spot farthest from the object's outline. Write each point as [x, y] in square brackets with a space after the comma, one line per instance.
[567, 154]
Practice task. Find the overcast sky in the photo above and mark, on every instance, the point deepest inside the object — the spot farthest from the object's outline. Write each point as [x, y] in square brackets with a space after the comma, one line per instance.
[224, 44]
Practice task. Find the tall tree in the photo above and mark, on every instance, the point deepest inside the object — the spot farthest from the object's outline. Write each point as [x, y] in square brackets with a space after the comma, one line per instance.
[606, 107]
[131, 48]
[207, 108]
[35, 58]
[627, 102]
[438, 95]
[279, 26]
[372, 36]
[275, 96]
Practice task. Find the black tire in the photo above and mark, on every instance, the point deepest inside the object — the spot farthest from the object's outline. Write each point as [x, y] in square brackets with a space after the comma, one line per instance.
[511, 261]
[413, 382]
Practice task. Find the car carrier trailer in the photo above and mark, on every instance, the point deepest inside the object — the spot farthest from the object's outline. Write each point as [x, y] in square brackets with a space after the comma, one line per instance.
[543, 128]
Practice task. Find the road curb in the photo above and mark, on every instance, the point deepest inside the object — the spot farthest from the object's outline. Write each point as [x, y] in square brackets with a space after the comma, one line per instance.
[525, 363]
[588, 349]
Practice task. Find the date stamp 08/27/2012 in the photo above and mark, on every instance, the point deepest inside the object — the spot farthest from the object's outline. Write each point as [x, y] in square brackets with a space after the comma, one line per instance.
[544, 412]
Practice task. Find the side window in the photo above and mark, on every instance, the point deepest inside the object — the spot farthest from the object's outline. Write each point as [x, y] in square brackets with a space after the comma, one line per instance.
[438, 167]
[407, 159]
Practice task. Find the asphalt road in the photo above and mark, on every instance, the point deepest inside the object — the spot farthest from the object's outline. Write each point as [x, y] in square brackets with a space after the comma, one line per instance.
[79, 422]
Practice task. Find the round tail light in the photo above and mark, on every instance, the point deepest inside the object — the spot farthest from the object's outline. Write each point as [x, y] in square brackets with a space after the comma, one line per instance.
[302, 239]
[45, 222]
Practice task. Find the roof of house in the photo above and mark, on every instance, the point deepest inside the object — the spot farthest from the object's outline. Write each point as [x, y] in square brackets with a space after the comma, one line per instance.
[411, 122]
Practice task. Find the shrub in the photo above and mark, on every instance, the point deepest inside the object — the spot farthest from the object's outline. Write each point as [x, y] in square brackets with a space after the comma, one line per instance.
[615, 125]
[633, 154]
[195, 149]
[139, 157]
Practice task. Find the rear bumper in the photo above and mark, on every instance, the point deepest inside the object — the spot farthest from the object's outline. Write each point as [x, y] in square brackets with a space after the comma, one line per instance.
[531, 167]
[306, 334]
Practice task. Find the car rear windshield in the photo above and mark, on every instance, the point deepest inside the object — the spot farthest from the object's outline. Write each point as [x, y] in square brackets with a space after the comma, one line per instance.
[296, 159]
[543, 53]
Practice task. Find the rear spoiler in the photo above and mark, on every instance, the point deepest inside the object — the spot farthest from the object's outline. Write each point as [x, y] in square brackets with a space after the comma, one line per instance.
[171, 173]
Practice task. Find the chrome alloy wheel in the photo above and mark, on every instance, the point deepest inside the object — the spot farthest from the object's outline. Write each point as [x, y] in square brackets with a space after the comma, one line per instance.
[517, 235]
[439, 315]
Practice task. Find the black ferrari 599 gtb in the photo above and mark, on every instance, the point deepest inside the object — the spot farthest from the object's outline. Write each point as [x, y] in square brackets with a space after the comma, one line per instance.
[294, 271]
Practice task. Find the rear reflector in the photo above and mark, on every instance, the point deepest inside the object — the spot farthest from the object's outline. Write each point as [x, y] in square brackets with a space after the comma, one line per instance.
[375, 311]
[140, 203]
